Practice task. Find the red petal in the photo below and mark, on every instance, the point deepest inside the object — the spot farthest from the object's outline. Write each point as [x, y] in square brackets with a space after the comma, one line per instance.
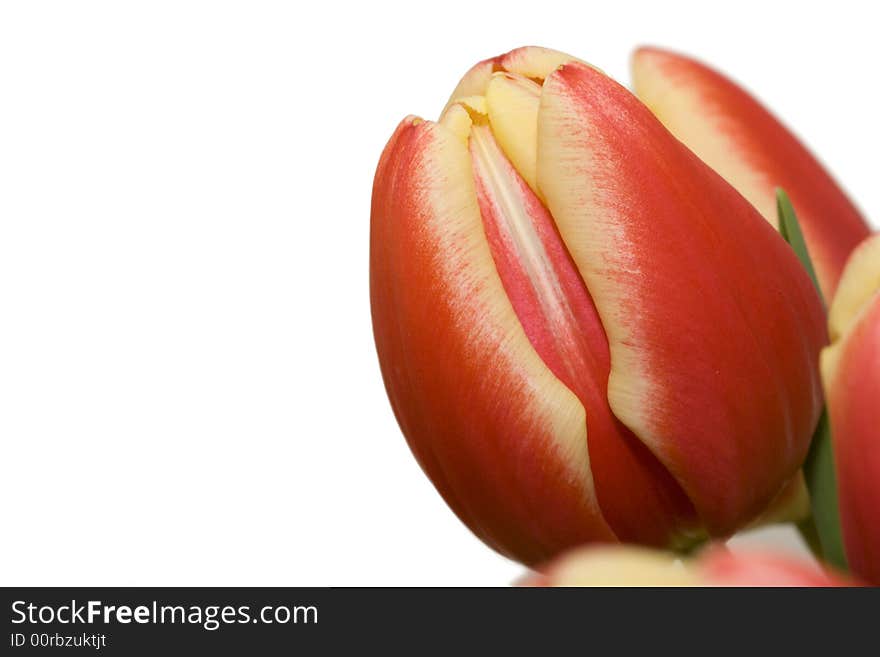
[735, 135]
[503, 440]
[714, 328]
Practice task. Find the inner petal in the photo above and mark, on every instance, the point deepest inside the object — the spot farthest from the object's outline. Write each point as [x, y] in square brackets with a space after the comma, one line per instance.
[512, 103]
[639, 498]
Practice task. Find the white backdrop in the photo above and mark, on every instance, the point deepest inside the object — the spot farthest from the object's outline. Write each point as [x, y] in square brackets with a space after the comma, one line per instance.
[189, 392]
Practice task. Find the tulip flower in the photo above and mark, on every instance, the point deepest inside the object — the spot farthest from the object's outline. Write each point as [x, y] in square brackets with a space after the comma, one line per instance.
[851, 373]
[586, 334]
[633, 566]
[735, 135]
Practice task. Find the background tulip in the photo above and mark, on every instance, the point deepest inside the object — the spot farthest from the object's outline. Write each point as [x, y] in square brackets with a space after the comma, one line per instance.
[631, 566]
[585, 333]
[851, 373]
[735, 135]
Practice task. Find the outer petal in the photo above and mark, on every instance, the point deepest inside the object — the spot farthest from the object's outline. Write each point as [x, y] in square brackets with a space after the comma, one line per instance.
[851, 371]
[860, 282]
[752, 150]
[722, 567]
[714, 328]
[503, 440]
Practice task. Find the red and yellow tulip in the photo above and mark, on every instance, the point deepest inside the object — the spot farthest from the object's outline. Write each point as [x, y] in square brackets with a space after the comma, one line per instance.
[586, 334]
[851, 373]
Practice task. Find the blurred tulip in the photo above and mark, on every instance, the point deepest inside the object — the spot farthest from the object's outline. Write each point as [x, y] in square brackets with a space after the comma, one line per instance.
[585, 333]
[851, 373]
[631, 566]
[735, 135]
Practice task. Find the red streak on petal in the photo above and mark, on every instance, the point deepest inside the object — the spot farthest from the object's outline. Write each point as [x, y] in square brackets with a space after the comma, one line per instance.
[639, 498]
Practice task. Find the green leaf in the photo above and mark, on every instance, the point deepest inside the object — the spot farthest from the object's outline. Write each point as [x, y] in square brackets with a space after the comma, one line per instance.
[791, 231]
[822, 483]
[822, 530]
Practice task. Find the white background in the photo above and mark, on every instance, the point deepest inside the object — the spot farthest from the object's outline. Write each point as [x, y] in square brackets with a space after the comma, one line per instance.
[189, 392]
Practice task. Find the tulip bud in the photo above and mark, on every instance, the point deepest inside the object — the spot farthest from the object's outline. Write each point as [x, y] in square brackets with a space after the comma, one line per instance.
[584, 332]
[851, 373]
[735, 135]
[631, 566]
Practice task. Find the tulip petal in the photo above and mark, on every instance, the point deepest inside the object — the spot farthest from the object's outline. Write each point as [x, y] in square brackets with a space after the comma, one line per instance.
[531, 62]
[473, 83]
[723, 567]
[859, 282]
[700, 298]
[639, 499]
[512, 104]
[614, 566]
[717, 566]
[534, 62]
[851, 373]
[501, 437]
[752, 150]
